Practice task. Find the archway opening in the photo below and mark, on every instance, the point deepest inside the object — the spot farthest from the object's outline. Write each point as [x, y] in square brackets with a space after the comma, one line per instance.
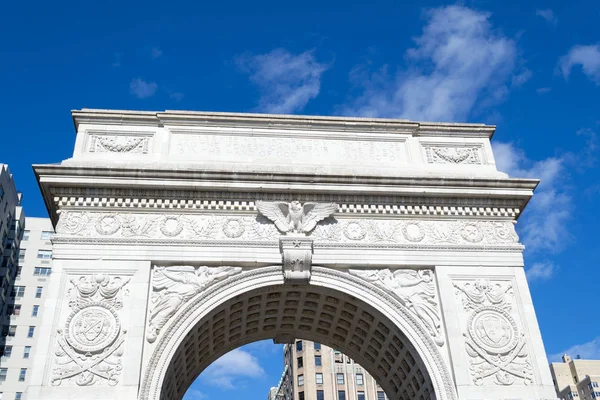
[285, 313]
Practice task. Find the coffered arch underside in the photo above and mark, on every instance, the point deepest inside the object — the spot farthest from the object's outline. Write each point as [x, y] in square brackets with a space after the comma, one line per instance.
[335, 309]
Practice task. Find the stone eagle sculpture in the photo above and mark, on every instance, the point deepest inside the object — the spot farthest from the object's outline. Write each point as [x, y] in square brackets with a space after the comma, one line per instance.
[295, 217]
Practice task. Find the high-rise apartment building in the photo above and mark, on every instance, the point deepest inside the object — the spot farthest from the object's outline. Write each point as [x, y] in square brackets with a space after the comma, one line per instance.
[576, 379]
[12, 222]
[317, 372]
[24, 274]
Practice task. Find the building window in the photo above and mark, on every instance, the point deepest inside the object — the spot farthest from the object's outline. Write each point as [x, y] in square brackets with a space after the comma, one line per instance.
[300, 362]
[300, 380]
[5, 351]
[361, 395]
[42, 271]
[26, 235]
[31, 331]
[46, 235]
[22, 254]
[317, 346]
[360, 380]
[318, 361]
[340, 378]
[319, 378]
[26, 351]
[18, 395]
[3, 372]
[341, 395]
[320, 395]
[299, 345]
[594, 384]
[380, 395]
[35, 311]
[300, 395]
[38, 292]
[19, 270]
[17, 291]
[13, 309]
[9, 330]
[45, 254]
[22, 374]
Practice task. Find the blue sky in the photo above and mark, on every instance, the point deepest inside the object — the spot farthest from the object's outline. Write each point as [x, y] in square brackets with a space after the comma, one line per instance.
[532, 68]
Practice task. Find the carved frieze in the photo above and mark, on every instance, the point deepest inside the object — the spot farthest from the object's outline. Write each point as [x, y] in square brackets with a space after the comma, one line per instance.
[415, 289]
[174, 286]
[494, 341]
[118, 144]
[448, 154]
[90, 346]
[351, 231]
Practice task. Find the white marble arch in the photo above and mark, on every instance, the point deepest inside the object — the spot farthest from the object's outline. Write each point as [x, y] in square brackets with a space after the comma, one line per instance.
[325, 282]
[401, 215]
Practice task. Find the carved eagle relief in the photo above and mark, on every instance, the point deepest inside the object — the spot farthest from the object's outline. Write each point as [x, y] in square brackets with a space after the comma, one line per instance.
[295, 217]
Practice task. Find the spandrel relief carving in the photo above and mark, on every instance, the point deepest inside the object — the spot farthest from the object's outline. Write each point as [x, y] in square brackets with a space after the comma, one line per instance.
[415, 289]
[174, 286]
[494, 342]
[90, 346]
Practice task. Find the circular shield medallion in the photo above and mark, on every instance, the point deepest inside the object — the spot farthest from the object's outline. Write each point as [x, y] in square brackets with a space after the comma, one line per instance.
[234, 227]
[493, 329]
[92, 328]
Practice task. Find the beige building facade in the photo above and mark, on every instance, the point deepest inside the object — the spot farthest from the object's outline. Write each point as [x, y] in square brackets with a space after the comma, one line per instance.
[576, 378]
[22, 312]
[318, 372]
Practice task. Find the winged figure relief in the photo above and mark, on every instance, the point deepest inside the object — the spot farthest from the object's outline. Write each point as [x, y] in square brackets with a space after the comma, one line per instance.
[295, 217]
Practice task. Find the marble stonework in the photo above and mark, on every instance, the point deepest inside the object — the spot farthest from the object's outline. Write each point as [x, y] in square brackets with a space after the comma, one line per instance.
[184, 235]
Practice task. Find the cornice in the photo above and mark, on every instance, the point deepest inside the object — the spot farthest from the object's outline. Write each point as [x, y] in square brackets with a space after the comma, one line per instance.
[134, 187]
[303, 122]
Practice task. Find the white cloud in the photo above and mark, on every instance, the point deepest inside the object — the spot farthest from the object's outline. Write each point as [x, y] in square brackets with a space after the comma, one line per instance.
[156, 52]
[235, 365]
[287, 81]
[587, 351]
[194, 394]
[520, 78]
[543, 90]
[548, 15]
[459, 62]
[142, 89]
[586, 56]
[540, 271]
[543, 225]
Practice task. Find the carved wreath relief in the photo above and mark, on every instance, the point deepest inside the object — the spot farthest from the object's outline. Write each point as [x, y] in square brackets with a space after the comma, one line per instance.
[91, 344]
[174, 286]
[415, 289]
[118, 144]
[496, 347]
[453, 155]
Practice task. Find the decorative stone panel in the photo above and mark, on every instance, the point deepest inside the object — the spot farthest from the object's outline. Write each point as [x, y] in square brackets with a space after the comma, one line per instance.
[90, 345]
[452, 154]
[494, 341]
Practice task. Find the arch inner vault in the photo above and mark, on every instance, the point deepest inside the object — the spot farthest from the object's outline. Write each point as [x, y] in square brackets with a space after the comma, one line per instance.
[183, 235]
